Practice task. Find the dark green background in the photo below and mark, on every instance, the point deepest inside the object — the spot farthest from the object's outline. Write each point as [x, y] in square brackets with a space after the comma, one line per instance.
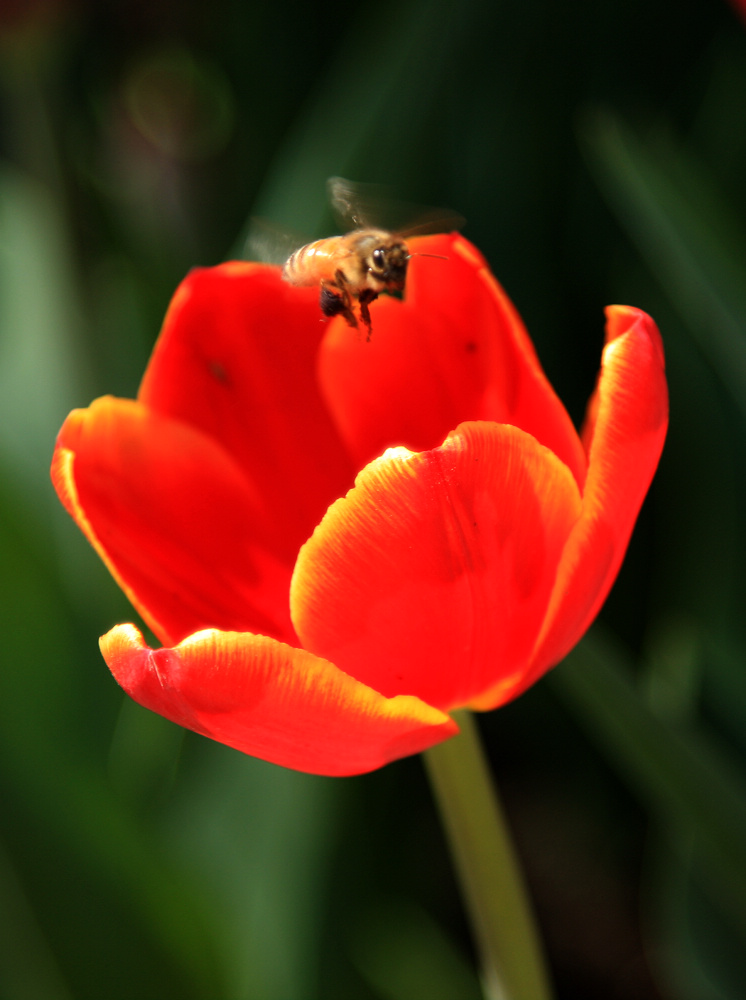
[598, 153]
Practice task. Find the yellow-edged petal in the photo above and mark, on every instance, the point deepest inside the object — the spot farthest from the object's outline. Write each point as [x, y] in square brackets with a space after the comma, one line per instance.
[272, 701]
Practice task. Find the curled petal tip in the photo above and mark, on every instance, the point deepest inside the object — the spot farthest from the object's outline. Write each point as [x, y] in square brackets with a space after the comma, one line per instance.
[623, 319]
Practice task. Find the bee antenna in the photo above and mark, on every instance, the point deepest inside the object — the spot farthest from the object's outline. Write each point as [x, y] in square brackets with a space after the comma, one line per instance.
[437, 256]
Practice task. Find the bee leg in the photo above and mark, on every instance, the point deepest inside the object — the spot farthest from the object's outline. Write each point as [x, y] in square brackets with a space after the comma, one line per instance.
[335, 299]
[341, 283]
[331, 302]
[365, 298]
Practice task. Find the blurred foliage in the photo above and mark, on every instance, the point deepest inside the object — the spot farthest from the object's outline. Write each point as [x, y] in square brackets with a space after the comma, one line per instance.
[598, 152]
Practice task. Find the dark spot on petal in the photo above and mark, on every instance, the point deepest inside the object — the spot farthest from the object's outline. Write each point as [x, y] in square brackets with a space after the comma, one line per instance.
[470, 346]
[217, 370]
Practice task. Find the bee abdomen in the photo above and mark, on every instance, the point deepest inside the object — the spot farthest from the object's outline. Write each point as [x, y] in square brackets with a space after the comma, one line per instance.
[301, 267]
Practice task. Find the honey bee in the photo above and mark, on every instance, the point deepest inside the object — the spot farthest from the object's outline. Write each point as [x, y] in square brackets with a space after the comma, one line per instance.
[355, 268]
[350, 269]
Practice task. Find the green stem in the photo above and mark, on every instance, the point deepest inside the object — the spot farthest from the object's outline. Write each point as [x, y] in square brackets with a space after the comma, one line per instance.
[491, 880]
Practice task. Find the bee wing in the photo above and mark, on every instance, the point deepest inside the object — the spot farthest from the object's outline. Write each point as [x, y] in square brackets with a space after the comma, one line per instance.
[368, 205]
[270, 244]
[434, 220]
[351, 202]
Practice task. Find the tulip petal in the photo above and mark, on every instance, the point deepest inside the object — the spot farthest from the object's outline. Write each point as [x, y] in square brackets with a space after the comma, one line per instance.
[173, 518]
[269, 700]
[454, 350]
[624, 434]
[432, 576]
[236, 359]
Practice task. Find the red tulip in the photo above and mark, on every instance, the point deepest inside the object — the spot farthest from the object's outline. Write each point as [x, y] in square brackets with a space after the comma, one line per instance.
[339, 542]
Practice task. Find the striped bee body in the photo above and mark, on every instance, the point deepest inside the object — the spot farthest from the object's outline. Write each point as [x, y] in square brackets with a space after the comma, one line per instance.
[351, 270]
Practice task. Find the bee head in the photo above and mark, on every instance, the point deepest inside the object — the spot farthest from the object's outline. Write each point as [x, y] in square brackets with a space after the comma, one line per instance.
[388, 263]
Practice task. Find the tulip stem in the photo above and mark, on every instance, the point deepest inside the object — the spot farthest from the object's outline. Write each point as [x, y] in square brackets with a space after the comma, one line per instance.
[491, 880]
